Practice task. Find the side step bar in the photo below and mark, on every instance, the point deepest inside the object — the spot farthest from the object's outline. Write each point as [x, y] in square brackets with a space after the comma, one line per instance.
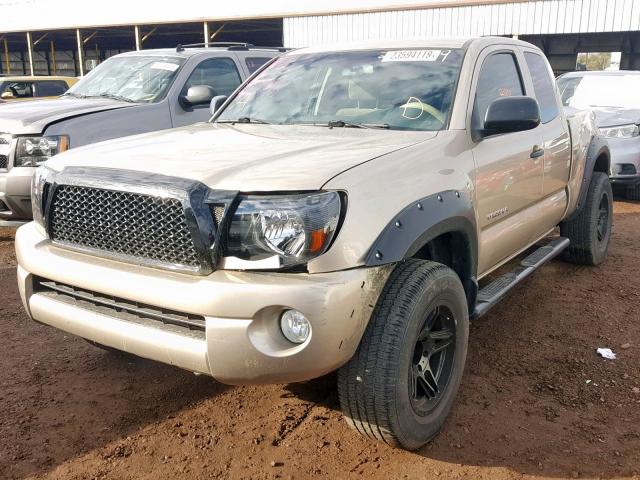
[498, 288]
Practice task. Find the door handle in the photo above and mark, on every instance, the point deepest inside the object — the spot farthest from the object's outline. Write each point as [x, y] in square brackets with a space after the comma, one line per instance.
[537, 152]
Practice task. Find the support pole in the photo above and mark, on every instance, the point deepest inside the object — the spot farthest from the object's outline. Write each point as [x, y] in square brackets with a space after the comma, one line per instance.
[80, 51]
[148, 34]
[53, 58]
[136, 31]
[6, 55]
[206, 34]
[86, 40]
[215, 34]
[30, 53]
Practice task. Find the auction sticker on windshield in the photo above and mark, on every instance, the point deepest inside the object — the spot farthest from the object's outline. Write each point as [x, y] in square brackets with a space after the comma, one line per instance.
[171, 67]
[413, 56]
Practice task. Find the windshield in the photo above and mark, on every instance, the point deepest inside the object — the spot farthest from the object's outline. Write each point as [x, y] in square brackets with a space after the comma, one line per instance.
[395, 89]
[619, 91]
[130, 78]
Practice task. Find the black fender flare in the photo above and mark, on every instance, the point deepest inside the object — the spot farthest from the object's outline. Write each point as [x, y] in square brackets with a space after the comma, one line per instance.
[450, 211]
[597, 148]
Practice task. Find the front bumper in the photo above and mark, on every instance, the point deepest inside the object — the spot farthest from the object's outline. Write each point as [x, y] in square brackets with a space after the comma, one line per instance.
[242, 342]
[625, 160]
[15, 194]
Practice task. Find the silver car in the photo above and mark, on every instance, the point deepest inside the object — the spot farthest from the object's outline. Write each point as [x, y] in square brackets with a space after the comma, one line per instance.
[614, 97]
[130, 93]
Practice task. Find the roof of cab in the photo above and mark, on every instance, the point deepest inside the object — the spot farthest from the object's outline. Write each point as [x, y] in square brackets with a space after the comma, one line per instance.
[600, 73]
[435, 42]
[186, 51]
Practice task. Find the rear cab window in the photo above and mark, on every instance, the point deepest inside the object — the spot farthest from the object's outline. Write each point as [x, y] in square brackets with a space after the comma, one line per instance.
[543, 86]
[18, 89]
[50, 88]
[254, 63]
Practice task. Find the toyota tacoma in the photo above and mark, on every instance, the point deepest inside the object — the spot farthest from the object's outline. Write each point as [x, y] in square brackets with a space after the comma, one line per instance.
[346, 209]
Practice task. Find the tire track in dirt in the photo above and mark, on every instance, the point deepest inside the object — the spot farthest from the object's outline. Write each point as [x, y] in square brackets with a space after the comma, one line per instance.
[536, 401]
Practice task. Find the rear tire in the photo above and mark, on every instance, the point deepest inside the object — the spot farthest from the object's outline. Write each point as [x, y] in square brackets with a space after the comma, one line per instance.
[590, 231]
[402, 381]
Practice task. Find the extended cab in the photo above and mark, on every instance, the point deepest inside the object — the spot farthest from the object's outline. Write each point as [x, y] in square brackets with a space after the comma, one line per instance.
[130, 93]
[345, 209]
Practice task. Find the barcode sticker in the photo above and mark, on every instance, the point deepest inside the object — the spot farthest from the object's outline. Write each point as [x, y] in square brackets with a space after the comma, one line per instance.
[412, 56]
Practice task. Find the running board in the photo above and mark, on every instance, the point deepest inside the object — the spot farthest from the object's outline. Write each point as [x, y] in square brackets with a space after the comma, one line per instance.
[498, 288]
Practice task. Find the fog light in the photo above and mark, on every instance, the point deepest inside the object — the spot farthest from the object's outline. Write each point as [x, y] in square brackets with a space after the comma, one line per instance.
[295, 326]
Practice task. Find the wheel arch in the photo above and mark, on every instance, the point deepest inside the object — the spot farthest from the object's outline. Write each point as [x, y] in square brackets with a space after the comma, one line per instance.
[440, 227]
[598, 159]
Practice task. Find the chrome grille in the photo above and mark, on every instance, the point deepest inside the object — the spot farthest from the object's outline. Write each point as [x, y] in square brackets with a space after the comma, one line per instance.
[133, 225]
[5, 146]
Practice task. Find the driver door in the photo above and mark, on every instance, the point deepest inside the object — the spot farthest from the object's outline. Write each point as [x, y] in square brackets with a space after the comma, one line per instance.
[509, 167]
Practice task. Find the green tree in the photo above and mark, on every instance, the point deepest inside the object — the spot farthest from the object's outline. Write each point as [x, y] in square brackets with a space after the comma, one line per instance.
[595, 61]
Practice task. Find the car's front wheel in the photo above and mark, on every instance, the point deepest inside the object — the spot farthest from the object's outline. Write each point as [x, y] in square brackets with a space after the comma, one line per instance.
[401, 384]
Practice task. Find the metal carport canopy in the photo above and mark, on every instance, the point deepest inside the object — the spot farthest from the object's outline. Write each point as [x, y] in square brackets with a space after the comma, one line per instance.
[31, 15]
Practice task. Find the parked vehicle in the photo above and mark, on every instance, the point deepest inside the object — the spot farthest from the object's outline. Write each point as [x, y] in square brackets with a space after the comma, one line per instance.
[130, 93]
[27, 88]
[346, 209]
[614, 97]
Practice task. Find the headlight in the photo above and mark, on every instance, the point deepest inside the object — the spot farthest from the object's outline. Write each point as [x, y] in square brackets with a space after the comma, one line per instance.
[39, 194]
[623, 131]
[289, 230]
[32, 151]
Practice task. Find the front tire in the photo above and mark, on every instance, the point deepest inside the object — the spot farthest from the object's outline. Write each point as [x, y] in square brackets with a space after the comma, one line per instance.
[590, 231]
[401, 384]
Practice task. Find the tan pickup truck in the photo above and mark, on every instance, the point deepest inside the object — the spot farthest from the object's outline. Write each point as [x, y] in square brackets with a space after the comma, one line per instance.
[345, 209]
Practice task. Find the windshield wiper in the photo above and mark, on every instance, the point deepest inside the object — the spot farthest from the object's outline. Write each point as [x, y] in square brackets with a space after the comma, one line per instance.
[343, 124]
[245, 120]
[71, 94]
[114, 96]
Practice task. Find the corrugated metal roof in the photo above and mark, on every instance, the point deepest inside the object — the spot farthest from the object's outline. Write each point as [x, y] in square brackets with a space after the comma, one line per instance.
[516, 18]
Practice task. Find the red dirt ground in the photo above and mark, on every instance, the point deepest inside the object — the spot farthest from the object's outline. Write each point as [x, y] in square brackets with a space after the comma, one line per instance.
[536, 400]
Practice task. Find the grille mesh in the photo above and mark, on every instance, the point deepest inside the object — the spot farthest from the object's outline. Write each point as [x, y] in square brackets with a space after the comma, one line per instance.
[218, 213]
[125, 223]
[4, 150]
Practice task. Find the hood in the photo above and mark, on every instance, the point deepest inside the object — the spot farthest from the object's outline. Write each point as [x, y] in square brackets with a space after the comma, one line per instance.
[249, 158]
[35, 115]
[612, 116]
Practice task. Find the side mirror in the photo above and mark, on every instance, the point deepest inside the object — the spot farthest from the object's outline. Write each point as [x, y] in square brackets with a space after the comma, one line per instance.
[197, 95]
[216, 103]
[511, 114]
[7, 95]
